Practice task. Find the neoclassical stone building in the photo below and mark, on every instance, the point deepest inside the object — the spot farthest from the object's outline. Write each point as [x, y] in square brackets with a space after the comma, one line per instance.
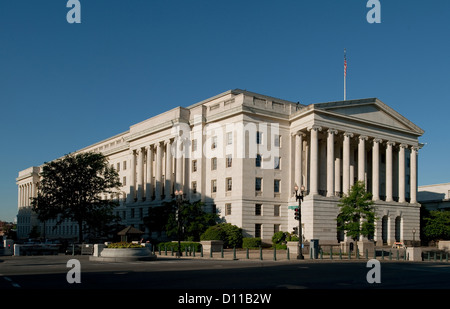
[242, 153]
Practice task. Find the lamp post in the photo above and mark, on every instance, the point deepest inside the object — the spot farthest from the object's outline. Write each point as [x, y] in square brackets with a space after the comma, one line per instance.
[414, 236]
[179, 200]
[299, 198]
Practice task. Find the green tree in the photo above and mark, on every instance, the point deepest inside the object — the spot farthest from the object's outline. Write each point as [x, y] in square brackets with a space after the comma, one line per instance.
[437, 225]
[194, 219]
[73, 187]
[357, 216]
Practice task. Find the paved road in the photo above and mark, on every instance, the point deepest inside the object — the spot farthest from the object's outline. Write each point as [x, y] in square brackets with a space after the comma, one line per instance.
[49, 272]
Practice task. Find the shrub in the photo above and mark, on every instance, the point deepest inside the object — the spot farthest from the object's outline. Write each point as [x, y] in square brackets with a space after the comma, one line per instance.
[231, 235]
[123, 244]
[251, 242]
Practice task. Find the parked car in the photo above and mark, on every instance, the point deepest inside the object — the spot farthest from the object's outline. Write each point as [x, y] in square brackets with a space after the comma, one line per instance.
[398, 245]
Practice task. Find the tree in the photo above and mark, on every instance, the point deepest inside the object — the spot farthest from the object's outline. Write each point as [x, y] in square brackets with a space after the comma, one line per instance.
[357, 216]
[73, 187]
[194, 220]
[436, 225]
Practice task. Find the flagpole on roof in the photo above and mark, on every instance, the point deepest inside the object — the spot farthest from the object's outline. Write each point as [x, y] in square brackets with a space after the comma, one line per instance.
[345, 74]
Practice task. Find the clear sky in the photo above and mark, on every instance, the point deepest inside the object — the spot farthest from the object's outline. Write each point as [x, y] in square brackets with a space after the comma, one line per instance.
[65, 86]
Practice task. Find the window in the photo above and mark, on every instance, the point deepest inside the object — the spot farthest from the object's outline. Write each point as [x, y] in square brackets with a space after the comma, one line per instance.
[227, 209]
[258, 184]
[229, 160]
[276, 210]
[194, 144]
[258, 209]
[118, 166]
[277, 161]
[229, 184]
[124, 181]
[214, 185]
[194, 187]
[194, 165]
[277, 141]
[124, 165]
[213, 164]
[257, 230]
[276, 185]
[229, 138]
[258, 160]
[276, 228]
[214, 142]
[259, 137]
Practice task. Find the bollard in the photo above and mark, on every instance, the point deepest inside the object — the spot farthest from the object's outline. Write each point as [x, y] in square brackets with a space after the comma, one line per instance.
[274, 253]
[340, 253]
[434, 254]
[321, 254]
[234, 254]
[357, 253]
[165, 249]
[201, 251]
[382, 254]
[193, 250]
[246, 255]
[287, 254]
[446, 257]
[349, 255]
[159, 249]
[260, 253]
[331, 252]
[210, 252]
[221, 252]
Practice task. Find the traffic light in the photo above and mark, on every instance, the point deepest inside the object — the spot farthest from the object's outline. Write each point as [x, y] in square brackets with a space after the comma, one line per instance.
[297, 214]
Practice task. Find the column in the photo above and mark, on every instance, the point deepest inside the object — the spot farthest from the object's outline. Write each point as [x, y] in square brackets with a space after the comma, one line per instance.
[179, 166]
[149, 174]
[132, 178]
[362, 158]
[140, 174]
[346, 163]
[330, 162]
[314, 177]
[413, 174]
[389, 174]
[158, 172]
[168, 178]
[298, 153]
[376, 169]
[337, 168]
[401, 174]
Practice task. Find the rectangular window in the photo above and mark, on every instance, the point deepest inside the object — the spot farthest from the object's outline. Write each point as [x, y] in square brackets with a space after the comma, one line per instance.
[259, 137]
[276, 185]
[124, 165]
[229, 184]
[258, 184]
[194, 165]
[124, 181]
[227, 209]
[194, 144]
[258, 209]
[276, 228]
[258, 160]
[257, 230]
[277, 141]
[277, 161]
[118, 166]
[214, 186]
[213, 164]
[229, 160]
[214, 142]
[229, 138]
[194, 187]
[276, 210]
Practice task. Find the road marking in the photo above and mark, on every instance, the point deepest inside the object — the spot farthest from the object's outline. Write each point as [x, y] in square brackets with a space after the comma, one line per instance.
[16, 285]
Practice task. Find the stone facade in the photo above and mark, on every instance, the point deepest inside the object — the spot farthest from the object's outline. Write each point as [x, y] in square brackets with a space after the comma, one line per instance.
[242, 153]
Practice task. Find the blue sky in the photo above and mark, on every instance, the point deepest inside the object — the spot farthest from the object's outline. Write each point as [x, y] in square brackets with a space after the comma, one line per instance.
[65, 86]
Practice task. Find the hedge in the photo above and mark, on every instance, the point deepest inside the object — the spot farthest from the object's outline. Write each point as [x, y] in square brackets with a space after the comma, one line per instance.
[251, 242]
[174, 245]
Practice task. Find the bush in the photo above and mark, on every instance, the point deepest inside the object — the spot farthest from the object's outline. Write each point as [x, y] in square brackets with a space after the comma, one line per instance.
[231, 235]
[251, 243]
[123, 244]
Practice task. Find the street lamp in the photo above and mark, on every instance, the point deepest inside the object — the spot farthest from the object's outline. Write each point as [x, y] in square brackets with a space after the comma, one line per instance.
[299, 198]
[179, 200]
[414, 236]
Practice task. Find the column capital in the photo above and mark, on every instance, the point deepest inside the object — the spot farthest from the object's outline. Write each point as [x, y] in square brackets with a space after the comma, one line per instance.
[377, 140]
[348, 134]
[390, 143]
[315, 128]
[332, 131]
[415, 148]
[299, 133]
[403, 145]
[363, 137]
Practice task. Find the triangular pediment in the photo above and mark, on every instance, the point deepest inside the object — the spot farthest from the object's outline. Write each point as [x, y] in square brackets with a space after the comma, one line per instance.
[373, 111]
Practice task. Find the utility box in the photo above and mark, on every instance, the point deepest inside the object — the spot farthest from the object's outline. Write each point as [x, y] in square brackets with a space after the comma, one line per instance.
[9, 246]
[314, 248]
